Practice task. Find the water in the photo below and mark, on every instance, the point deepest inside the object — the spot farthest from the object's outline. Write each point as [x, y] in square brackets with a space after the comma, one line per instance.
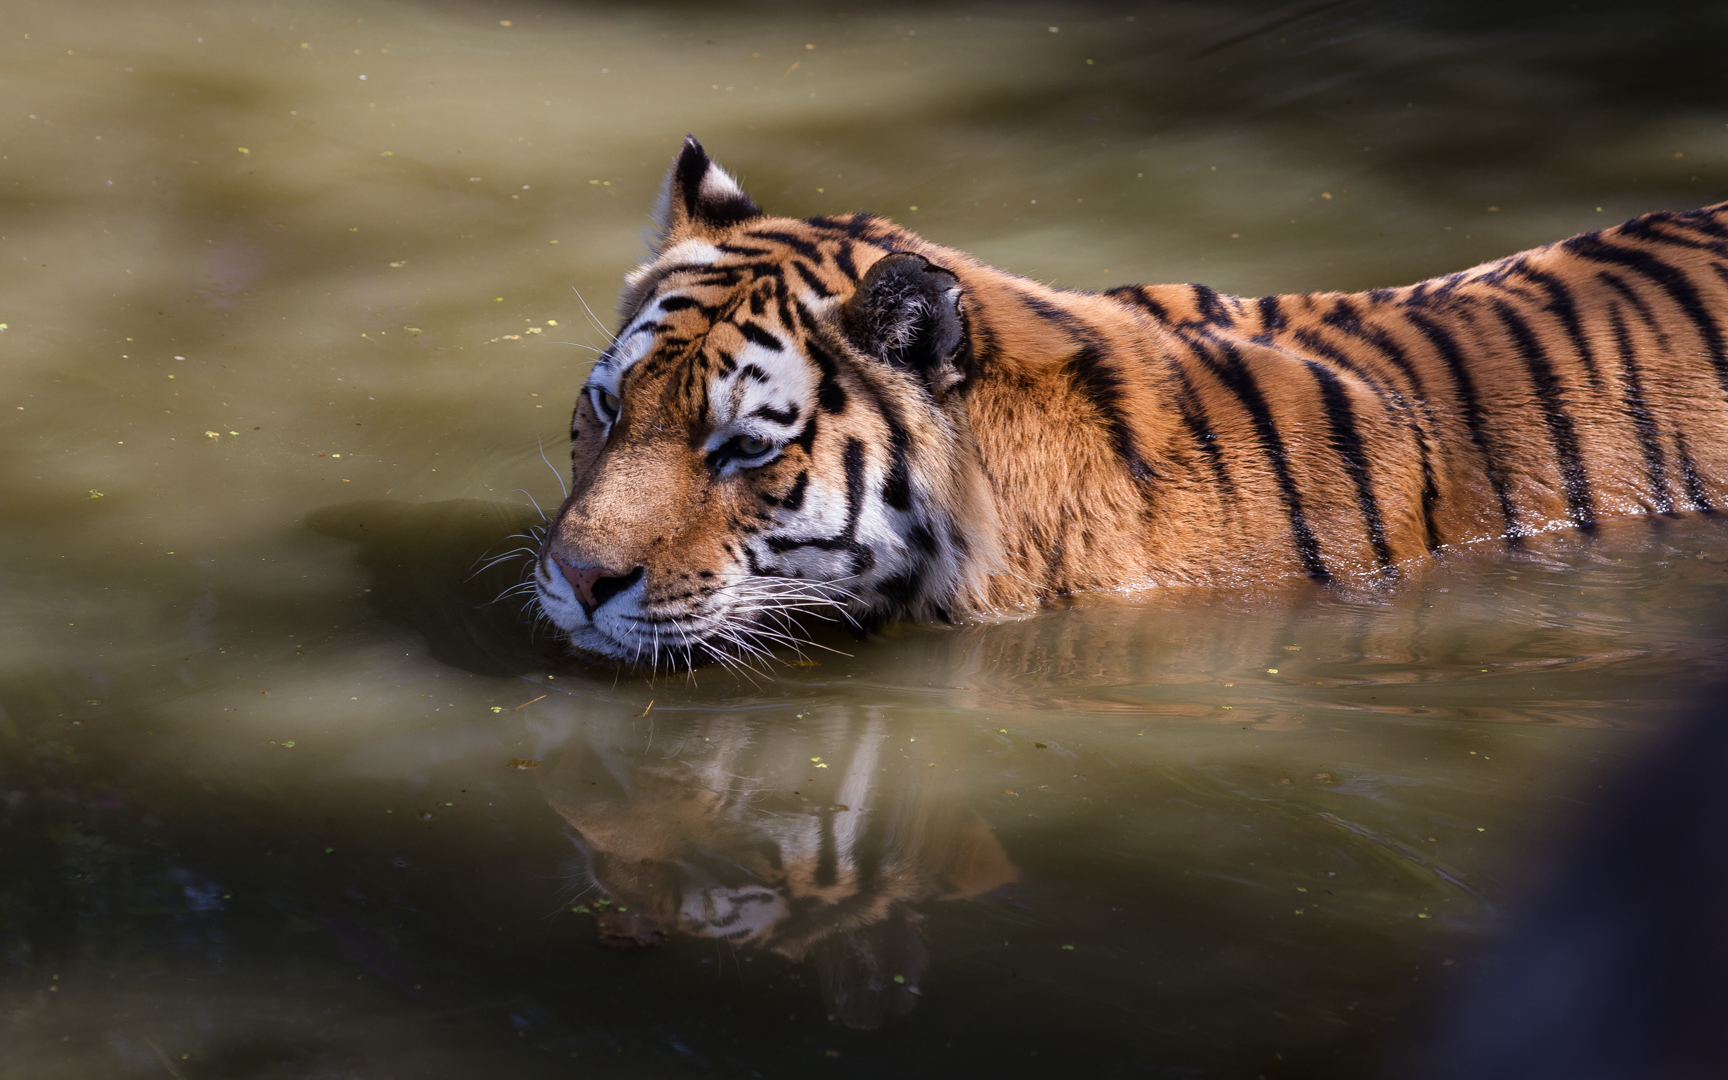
[264, 739]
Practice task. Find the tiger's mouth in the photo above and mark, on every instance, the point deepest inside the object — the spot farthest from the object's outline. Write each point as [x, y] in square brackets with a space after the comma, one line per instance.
[742, 624]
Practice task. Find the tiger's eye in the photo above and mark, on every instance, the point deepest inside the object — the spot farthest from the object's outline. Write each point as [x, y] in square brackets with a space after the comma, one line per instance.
[751, 447]
[610, 401]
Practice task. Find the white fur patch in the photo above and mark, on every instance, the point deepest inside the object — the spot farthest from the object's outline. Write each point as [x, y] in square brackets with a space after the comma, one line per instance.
[764, 382]
[685, 252]
[718, 184]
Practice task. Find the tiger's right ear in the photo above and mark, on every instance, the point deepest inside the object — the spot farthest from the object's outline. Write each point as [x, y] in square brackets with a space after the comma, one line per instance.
[906, 312]
[699, 200]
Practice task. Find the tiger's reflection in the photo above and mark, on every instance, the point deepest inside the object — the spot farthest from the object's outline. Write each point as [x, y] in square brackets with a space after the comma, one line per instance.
[822, 838]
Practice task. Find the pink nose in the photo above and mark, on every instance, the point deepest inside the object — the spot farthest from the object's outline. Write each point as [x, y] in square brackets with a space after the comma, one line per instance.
[582, 579]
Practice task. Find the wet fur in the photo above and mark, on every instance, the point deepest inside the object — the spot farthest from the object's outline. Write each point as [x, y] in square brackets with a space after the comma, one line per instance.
[972, 440]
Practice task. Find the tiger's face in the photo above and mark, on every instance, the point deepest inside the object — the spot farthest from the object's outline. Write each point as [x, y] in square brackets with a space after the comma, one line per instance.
[770, 435]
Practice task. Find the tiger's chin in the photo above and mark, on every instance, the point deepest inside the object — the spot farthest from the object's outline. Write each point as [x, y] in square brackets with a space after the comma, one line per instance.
[670, 645]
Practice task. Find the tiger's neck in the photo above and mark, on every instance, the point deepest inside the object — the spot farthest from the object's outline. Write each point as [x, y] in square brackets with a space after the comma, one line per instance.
[1073, 428]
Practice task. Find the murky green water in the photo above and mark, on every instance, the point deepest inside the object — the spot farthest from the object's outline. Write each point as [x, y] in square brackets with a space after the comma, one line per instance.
[287, 295]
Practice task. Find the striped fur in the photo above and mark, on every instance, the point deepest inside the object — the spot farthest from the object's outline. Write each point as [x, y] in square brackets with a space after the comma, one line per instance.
[947, 438]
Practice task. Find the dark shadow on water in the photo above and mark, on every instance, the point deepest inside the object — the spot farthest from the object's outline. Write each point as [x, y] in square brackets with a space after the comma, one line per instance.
[713, 827]
[436, 570]
[429, 574]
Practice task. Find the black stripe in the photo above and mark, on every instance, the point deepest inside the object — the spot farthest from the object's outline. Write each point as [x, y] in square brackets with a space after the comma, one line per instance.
[783, 301]
[900, 589]
[1347, 441]
[1093, 377]
[863, 558]
[1318, 345]
[1199, 427]
[830, 395]
[1447, 346]
[1234, 374]
[1649, 437]
[807, 437]
[794, 498]
[796, 243]
[755, 333]
[1210, 307]
[860, 226]
[1137, 295]
[1574, 478]
[679, 303]
[649, 285]
[1272, 317]
[811, 279]
[897, 485]
[1377, 337]
[843, 262]
[1345, 320]
[1618, 284]
[1689, 474]
[922, 539]
[1673, 281]
[1561, 304]
[1645, 228]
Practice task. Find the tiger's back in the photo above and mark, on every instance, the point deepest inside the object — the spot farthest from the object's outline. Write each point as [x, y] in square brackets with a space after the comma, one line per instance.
[1332, 433]
[1547, 389]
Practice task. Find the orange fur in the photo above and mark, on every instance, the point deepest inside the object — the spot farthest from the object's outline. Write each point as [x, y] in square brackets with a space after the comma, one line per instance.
[1151, 435]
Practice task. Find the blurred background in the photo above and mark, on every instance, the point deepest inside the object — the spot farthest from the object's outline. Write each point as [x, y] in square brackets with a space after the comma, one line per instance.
[297, 297]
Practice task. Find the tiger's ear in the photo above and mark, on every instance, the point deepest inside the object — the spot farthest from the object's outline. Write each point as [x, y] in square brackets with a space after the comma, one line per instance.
[906, 312]
[699, 198]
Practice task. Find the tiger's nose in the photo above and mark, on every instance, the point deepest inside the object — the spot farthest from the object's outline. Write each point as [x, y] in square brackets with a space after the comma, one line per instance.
[595, 585]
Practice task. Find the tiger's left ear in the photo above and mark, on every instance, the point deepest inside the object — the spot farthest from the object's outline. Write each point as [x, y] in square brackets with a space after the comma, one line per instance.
[906, 312]
[699, 198]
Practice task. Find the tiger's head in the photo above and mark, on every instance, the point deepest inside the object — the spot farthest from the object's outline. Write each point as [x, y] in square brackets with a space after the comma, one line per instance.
[776, 430]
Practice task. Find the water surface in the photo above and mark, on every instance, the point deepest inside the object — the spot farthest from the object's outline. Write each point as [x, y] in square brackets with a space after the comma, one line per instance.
[294, 295]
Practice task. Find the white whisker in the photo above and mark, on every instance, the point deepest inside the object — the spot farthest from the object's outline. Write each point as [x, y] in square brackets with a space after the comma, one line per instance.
[609, 335]
[542, 444]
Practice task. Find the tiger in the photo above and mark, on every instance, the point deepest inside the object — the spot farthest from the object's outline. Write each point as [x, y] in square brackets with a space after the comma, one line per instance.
[835, 417]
